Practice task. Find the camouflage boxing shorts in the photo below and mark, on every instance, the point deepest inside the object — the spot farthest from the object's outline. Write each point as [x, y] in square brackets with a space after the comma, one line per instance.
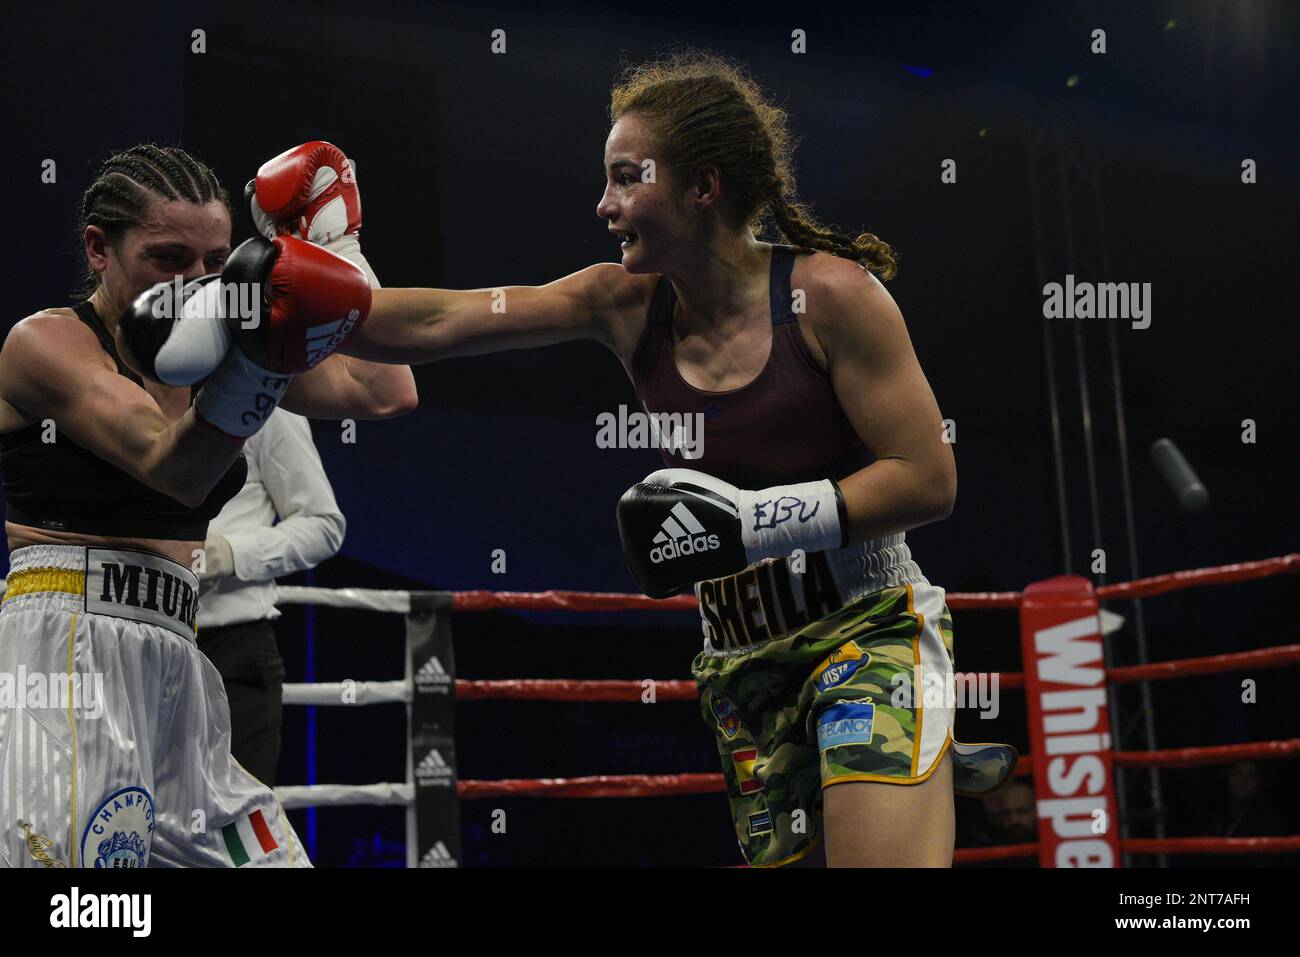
[836, 700]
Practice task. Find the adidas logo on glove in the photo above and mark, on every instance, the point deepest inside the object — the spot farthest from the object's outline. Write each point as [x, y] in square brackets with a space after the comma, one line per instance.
[681, 534]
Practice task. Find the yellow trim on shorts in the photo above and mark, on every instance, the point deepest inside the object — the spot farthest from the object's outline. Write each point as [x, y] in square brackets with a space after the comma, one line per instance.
[72, 581]
[920, 720]
[884, 779]
[817, 839]
[916, 670]
[72, 723]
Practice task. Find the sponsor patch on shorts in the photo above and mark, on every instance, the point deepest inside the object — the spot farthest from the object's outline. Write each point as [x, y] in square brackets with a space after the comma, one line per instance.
[119, 831]
[840, 666]
[760, 822]
[725, 713]
[849, 722]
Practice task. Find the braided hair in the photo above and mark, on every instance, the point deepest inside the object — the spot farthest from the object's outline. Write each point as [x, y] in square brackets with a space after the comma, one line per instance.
[129, 181]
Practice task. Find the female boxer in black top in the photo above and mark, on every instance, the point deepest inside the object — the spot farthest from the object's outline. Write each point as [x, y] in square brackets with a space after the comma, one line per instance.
[110, 479]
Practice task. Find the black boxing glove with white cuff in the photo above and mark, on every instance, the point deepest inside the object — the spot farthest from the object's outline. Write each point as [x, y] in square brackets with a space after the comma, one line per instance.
[679, 526]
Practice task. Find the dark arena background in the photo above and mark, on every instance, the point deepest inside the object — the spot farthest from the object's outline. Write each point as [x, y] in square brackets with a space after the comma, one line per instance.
[999, 147]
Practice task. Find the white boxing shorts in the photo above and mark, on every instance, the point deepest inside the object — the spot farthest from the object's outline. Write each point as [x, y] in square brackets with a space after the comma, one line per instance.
[114, 727]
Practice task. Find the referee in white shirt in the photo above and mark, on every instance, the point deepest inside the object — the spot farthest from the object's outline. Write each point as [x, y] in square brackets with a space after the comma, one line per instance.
[246, 550]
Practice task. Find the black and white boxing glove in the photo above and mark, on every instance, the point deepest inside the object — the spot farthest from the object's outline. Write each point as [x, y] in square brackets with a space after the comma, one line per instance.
[680, 526]
[175, 334]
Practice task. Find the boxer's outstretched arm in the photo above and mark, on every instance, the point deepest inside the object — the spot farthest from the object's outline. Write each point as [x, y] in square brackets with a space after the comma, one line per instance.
[422, 325]
[345, 387]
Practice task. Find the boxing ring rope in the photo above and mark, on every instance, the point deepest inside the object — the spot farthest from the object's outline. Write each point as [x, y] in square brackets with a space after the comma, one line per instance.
[418, 605]
[617, 690]
[398, 601]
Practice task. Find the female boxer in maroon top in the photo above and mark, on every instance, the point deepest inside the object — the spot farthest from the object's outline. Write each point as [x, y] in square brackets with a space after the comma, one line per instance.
[822, 441]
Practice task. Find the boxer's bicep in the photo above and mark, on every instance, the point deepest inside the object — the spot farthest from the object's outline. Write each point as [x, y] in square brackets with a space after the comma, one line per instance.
[882, 388]
[52, 373]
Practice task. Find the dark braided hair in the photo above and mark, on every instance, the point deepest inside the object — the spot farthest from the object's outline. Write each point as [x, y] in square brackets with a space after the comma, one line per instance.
[129, 181]
[707, 110]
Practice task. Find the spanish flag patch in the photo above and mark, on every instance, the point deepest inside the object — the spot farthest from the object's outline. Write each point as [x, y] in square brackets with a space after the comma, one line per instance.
[744, 759]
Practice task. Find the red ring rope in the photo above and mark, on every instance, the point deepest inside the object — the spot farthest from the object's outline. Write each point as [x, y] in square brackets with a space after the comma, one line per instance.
[609, 601]
[645, 785]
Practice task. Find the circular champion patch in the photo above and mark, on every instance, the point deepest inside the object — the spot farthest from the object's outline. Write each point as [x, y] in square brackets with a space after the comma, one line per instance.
[118, 834]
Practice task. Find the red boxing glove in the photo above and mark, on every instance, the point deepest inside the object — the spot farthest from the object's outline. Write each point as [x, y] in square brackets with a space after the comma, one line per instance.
[309, 192]
[288, 305]
[317, 300]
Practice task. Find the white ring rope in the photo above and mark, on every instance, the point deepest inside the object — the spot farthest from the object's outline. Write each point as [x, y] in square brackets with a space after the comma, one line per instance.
[374, 599]
[341, 795]
[348, 692]
[333, 693]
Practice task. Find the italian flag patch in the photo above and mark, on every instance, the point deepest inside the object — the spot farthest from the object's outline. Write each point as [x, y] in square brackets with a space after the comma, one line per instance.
[247, 838]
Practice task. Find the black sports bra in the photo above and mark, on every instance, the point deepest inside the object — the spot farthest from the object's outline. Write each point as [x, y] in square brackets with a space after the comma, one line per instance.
[62, 487]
